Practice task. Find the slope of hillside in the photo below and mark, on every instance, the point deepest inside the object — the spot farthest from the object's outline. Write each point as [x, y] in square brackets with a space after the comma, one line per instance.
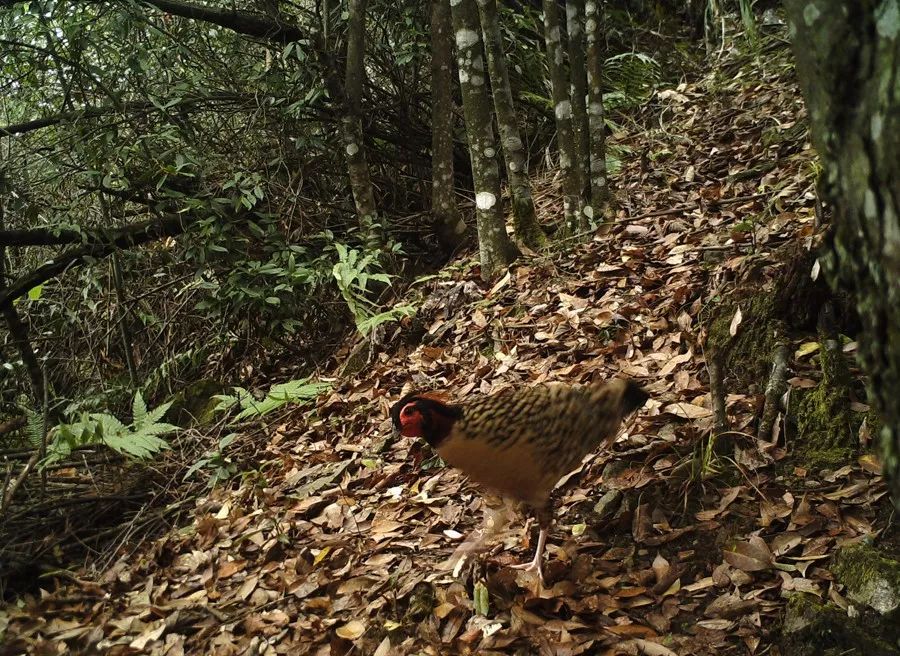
[336, 539]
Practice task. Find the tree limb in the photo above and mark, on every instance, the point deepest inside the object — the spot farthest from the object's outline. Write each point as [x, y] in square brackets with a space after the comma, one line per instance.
[170, 226]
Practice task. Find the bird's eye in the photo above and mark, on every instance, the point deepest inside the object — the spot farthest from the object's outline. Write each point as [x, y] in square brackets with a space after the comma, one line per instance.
[407, 411]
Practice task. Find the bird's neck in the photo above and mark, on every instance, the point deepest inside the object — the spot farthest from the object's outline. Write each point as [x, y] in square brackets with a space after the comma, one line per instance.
[441, 425]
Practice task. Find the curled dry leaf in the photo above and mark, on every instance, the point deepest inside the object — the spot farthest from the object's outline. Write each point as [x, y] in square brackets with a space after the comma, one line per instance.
[351, 630]
[687, 410]
[751, 556]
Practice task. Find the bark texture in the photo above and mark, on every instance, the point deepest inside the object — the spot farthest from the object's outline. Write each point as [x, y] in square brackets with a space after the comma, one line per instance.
[562, 107]
[575, 23]
[527, 228]
[494, 245]
[357, 165]
[848, 62]
[599, 207]
[448, 223]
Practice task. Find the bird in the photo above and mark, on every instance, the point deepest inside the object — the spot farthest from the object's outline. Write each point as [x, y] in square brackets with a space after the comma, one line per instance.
[522, 440]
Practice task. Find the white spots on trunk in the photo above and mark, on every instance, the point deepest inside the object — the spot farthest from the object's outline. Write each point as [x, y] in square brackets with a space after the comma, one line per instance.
[558, 55]
[877, 123]
[463, 76]
[588, 211]
[455, 3]
[489, 152]
[811, 14]
[513, 167]
[554, 34]
[595, 109]
[352, 149]
[870, 205]
[590, 8]
[485, 200]
[590, 25]
[571, 11]
[564, 161]
[466, 38]
[478, 63]
[512, 143]
[563, 110]
[477, 80]
[888, 23]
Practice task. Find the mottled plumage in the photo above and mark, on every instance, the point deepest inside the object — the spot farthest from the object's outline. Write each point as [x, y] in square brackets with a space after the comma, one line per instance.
[521, 441]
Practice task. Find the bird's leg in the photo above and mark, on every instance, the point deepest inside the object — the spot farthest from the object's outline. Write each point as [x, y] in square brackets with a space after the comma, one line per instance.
[544, 517]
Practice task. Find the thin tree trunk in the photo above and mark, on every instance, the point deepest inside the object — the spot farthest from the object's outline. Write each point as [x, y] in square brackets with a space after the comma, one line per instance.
[127, 347]
[357, 165]
[528, 230]
[494, 245]
[578, 82]
[562, 107]
[600, 206]
[848, 63]
[18, 331]
[448, 222]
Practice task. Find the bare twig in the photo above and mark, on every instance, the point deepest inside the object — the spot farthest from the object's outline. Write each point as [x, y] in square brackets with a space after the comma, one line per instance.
[722, 444]
[7, 499]
[775, 389]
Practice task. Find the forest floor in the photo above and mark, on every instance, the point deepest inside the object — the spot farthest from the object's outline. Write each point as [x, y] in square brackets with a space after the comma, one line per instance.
[336, 540]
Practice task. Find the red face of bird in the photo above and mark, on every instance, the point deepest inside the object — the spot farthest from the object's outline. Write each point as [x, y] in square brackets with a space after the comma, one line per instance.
[423, 415]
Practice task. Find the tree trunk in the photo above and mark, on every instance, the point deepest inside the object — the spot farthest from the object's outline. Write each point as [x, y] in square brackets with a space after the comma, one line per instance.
[495, 247]
[448, 223]
[18, 331]
[357, 166]
[848, 62]
[599, 207]
[575, 11]
[527, 228]
[562, 107]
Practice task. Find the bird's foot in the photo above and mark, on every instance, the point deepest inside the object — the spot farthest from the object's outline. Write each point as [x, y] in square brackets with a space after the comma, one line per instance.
[533, 566]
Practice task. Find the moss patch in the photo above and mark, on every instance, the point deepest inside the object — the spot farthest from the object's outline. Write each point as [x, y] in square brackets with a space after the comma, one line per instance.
[826, 426]
[871, 578]
[812, 628]
[195, 403]
[747, 355]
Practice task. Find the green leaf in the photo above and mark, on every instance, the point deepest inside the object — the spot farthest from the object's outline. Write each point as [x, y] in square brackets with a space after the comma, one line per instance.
[35, 292]
[138, 408]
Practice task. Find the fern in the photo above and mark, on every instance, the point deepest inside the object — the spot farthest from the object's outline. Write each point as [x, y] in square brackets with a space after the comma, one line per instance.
[142, 439]
[34, 427]
[300, 390]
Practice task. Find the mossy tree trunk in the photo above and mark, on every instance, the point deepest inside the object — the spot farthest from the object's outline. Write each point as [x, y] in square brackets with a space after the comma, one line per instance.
[848, 62]
[578, 89]
[448, 222]
[525, 220]
[357, 165]
[562, 107]
[495, 247]
[600, 206]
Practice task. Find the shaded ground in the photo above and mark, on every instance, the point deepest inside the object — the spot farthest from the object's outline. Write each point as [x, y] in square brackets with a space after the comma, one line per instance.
[334, 541]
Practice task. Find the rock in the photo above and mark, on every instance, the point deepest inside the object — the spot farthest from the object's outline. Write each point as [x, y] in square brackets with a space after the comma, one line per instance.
[871, 578]
[813, 628]
[608, 504]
